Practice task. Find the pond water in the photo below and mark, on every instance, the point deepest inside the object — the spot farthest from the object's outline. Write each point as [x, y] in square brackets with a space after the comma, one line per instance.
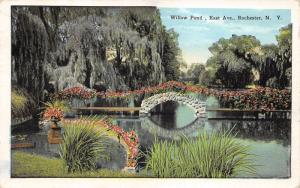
[269, 139]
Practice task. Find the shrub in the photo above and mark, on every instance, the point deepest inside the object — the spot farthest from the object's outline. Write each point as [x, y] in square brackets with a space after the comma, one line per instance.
[217, 155]
[22, 104]
[82, 146]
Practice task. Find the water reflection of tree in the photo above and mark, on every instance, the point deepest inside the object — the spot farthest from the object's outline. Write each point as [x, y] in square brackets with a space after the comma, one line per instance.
[280, 131]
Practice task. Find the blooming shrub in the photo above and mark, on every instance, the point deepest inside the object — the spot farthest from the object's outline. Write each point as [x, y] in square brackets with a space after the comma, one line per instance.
[53, 113]
[76, 92]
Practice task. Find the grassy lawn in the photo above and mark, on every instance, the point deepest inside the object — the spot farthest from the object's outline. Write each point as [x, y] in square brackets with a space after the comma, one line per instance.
[29, 165]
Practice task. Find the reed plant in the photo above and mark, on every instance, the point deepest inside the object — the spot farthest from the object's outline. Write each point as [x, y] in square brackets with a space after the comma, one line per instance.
[214, 155]
[83, 144]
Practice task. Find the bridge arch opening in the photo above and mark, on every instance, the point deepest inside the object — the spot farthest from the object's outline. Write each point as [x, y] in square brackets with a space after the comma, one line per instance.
[149, 103]
[172, 115]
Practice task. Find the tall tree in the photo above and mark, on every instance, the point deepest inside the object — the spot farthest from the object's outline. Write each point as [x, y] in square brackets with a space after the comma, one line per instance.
[232, 60]
[170, 55]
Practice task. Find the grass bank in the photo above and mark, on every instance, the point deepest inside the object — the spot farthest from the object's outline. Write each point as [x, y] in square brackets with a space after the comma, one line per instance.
[29, 165]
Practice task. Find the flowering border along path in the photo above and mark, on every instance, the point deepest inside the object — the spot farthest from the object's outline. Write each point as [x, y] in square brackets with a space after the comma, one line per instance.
[260, 98]
[129, 140]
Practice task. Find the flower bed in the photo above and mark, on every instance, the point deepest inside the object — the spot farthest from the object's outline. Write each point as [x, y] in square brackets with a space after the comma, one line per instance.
[260, 98]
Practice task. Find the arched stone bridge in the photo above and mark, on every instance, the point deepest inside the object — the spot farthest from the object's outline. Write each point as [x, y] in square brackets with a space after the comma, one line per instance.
[151, 102]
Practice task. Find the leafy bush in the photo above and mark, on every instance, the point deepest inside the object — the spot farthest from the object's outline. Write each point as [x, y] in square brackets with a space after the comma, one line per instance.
[82, 146]
[216, 155]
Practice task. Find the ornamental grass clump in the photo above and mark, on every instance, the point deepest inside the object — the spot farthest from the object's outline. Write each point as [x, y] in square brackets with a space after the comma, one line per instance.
[22, 104]
[215, 155]
[82, 146]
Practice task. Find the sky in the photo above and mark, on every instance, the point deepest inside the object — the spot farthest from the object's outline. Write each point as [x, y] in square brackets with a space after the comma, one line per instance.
[196, 36]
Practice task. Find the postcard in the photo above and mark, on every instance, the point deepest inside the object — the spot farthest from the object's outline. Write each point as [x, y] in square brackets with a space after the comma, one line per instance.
[114, 94]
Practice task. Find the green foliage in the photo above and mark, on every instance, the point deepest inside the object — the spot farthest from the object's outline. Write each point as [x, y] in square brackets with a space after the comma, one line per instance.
[31, 165]
[207, 77]
[234, 72]
[232, 60]
[241, 45]
[217, 155]
[22, 104]
[285, 36]
[82, 146]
